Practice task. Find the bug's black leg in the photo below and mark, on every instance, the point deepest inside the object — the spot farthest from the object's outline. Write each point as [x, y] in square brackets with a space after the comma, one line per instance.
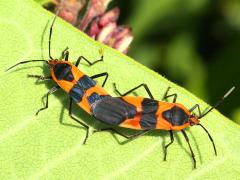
[167, 96]
[43, 78]
[133, 89]
[65, 54]
[50, 36]
[129, 137]
[89, 63]
[100, 75]
[166, 146]
[78, 121]
[193, 156]
[198, 107]
[211, 139]
[51, 91]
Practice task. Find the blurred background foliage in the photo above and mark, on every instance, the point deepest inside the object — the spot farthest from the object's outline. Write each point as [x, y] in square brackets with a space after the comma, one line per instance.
[194, 43]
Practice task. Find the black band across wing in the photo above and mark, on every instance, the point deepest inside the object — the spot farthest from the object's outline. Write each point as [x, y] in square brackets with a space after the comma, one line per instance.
[82, 85]
[149, 118]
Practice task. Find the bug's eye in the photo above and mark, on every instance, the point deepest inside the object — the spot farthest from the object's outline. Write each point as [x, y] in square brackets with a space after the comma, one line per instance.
[191, 122]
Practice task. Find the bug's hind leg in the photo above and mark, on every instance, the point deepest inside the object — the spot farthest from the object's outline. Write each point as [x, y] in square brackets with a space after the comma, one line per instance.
[128, 137]
[78, 121]
[166, 146]
[171, 95]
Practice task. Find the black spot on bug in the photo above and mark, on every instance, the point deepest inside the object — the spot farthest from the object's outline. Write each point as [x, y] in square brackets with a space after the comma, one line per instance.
[86, 82]
[63, 71]
[82, 85]
[76, 93]
[176, 116]
[149, 119]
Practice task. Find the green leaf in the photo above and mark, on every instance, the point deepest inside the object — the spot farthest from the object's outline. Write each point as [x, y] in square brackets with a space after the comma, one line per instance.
[33, 147]
[42, 2]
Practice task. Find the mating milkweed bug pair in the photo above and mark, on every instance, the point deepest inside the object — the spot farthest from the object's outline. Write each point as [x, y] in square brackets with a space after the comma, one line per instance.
[144, 114]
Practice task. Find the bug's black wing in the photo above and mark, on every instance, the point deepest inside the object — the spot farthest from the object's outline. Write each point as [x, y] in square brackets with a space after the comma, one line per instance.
[113, 110]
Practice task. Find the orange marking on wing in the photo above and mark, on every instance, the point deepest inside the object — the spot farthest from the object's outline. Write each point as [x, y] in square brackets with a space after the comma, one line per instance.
[135, 101]
[132, 123]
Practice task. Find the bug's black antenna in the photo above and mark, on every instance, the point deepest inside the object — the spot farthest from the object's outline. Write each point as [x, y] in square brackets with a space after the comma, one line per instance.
[219, 102]
[210, 137]
[23, 62]
[50, 35]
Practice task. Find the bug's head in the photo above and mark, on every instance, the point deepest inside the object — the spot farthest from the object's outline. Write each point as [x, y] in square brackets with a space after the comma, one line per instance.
[178, 115]
[52, 63]
[193, 120]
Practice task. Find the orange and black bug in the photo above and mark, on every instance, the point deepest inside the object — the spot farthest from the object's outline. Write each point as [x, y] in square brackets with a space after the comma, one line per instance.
[144, 114]
[147, 114]
[80, 87]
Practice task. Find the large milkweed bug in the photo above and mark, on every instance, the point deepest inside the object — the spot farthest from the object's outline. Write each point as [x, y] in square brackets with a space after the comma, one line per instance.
[139, 113]
[81, 88]
[147, 114]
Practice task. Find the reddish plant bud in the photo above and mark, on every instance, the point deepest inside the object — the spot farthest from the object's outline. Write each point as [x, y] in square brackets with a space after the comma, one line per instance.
[104, 29]
[69, 9]
[95, 8]
[98, 24]
[94, 29]
[123, 44]
[106, 33]
[110, 16]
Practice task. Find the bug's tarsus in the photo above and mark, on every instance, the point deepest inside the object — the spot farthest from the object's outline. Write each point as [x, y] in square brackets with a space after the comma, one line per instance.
[168, 96]
[89, 62]
[133, 89]
[166, 146]
[39, 77]
[211, 139]
[101, 75]
[192, 154]
[78, 121]
[51, 91]
[218, 102]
